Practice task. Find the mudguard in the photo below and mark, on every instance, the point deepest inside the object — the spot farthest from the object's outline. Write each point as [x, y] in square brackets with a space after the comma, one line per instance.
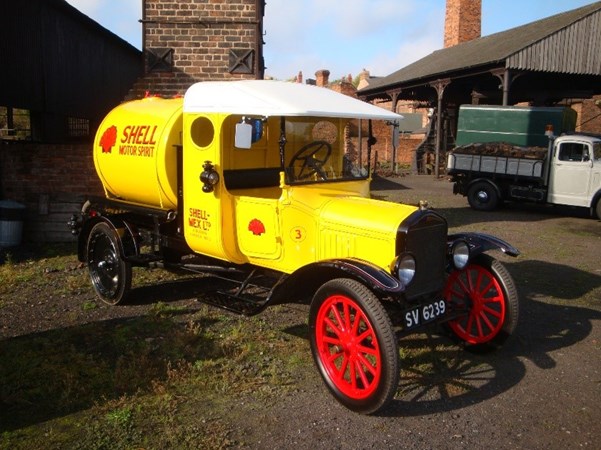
[482, 242]
[595, 210]
[128, 246]
[302, 284]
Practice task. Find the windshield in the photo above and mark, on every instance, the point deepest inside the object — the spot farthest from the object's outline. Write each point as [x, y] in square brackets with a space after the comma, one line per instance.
[325, 149]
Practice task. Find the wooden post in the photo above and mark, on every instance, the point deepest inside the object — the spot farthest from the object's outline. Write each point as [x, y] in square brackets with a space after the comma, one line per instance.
[440, 86]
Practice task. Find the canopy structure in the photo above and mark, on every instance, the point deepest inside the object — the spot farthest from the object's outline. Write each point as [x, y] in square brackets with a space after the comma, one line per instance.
[542, 63]
[278, 98]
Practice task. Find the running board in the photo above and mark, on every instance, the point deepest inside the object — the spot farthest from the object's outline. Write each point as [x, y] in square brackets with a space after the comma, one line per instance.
[245, 297]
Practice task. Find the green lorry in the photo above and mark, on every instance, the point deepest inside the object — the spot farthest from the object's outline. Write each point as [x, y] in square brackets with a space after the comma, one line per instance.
[512, 153]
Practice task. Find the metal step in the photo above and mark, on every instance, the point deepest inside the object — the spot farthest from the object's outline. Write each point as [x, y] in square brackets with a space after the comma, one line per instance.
[245, 297]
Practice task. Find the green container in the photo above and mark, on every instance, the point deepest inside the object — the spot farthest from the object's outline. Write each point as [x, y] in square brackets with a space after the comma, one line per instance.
[518, 125]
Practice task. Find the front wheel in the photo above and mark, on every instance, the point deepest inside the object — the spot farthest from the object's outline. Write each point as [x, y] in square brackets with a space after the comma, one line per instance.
[485, 298]
[111, 276]
[482, 196]
[353, 345]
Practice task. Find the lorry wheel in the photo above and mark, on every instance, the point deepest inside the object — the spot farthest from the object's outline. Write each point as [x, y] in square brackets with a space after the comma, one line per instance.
[598, 209]
[111, 275]
[353, 345]
[482, 196]
[485, 297]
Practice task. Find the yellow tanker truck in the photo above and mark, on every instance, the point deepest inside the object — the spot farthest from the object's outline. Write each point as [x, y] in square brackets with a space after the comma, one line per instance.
[265, 185]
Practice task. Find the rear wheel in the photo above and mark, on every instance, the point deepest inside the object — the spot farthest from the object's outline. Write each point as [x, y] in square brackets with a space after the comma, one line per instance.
[598, 209]
[485, 297]
[483, 196]
[111, 276]
[353, 345]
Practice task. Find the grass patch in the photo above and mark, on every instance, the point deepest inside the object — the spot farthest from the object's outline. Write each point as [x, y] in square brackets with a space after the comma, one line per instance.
[147, 382]
[40, 267]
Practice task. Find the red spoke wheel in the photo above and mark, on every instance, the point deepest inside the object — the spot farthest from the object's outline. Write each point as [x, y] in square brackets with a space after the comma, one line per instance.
[485, 297]
[353, 345]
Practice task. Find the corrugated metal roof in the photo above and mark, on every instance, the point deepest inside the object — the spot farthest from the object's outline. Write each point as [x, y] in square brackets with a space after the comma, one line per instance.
[569, 42]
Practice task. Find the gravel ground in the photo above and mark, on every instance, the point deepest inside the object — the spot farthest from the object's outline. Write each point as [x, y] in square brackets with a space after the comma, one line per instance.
[541, 390]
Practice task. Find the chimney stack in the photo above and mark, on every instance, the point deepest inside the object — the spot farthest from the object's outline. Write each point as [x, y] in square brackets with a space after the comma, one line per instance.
[463, 21]
[323, 77]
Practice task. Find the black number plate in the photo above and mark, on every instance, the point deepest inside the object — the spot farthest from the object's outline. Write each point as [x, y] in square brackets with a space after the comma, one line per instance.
[425, 313]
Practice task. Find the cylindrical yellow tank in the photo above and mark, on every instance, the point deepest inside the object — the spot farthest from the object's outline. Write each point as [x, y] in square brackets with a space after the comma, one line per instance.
[134, 151]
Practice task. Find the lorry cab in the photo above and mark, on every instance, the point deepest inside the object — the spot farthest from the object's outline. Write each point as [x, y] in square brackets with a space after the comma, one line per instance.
[278, 185]
[575, 175]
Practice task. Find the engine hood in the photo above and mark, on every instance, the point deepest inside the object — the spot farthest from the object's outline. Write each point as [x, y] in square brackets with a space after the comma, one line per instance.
[365, 214]
[362, 228]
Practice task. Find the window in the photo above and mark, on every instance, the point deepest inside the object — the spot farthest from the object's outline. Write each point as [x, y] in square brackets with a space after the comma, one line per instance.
[324, 149]
[573, 151]
[77, 128]
[15, 124]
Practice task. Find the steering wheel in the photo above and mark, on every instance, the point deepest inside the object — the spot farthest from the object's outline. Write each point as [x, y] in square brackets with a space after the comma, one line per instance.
[311, 163]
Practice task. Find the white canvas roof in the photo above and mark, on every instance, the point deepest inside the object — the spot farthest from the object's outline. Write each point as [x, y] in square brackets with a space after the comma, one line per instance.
[278, 98]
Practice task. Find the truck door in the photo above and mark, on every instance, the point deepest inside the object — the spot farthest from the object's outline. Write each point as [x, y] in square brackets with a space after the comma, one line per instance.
[571, 174]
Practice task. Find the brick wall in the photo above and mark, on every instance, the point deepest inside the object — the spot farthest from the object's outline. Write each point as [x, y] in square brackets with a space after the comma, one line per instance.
[589, 115]
[462, 21]
[52, 181]
[187, 41]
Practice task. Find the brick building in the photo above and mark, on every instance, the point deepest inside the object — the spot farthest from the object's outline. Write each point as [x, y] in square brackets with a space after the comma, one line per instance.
[198, 40]
[184, 41]
[64, 72]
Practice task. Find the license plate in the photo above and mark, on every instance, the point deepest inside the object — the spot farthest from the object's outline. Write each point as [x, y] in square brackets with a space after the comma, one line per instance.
[425, 313]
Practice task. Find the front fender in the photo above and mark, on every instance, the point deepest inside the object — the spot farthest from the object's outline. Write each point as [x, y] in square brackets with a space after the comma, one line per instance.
[482, 242]
[301, 285]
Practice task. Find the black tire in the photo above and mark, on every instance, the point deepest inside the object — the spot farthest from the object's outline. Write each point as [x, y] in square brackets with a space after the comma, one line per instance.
[485, 292]
[482, 196]
[111, 276]
[598, 209]
[362, 374]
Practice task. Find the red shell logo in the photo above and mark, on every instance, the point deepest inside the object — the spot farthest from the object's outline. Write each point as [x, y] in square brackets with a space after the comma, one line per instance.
[108, 139]
[257, 227]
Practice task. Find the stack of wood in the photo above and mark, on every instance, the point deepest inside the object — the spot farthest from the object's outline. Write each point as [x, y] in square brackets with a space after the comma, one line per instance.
[502, 149]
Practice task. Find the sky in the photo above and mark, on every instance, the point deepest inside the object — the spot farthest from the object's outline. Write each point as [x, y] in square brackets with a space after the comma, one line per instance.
[344, 36]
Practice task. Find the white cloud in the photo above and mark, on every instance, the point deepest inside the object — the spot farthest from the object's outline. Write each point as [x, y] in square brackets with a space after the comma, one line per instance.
[357, 18]
[382, 64]
[344, 37]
